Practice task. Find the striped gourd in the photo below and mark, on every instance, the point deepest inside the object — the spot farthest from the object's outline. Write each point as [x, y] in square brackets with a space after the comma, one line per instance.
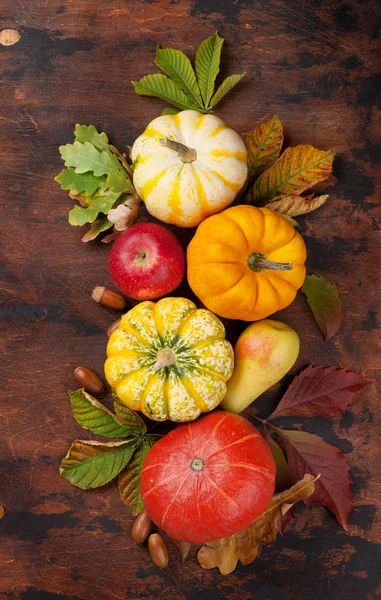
[188, 166]
[169, 360]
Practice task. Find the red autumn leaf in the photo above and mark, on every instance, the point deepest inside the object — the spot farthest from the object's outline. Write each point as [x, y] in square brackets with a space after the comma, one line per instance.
[325, 303]
[308, 453]
[320, 391]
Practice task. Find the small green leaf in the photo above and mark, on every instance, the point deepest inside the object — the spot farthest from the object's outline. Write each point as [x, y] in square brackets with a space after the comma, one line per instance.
[104, 202]
[178, 67]
[170, 111]
[160, 86]
[118, 181]
[207, 63]
[79, 216]
[129, 478]
[96, 228]
[129, 418]
[88, 133]
[283, 478]
[224, 88]
[325, 303]
[85, 157]
[91, 464]
[80, 183]
[92, 415]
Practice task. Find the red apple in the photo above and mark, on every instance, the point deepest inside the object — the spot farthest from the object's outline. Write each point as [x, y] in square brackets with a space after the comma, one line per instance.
[147, 261]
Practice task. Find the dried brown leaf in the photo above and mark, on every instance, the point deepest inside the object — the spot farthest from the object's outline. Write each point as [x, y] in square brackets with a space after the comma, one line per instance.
[225, 554]
[294, 205]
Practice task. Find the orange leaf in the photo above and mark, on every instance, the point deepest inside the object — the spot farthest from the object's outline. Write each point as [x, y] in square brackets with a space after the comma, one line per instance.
[294, 172]
[263, 145]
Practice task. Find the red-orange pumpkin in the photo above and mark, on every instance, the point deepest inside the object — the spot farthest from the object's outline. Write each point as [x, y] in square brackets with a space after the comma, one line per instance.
[208, 479]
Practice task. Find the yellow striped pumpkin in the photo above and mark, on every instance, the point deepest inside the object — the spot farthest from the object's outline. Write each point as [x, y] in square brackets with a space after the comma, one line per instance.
[188, 166]
[169, 360]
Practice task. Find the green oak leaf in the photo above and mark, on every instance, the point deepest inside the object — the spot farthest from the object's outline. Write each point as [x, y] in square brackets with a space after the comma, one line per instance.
[129, 478]
[160, 86]
[88, 133]
[85, 157]
[104, 202]
[79, 216]
[207, 64]
[96, 228]
[92, 415]
[118, 182]
[178, 67]
[80, 183]
[91, 464]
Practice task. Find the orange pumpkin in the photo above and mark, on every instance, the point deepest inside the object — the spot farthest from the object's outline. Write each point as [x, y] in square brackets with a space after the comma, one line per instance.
[246, 263]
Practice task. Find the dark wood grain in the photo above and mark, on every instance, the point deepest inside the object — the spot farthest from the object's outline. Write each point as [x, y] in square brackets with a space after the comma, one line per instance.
[316, 64]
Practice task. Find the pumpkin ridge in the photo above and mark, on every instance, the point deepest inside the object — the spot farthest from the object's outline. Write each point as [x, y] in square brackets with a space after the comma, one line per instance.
[213, 434]
[190, 389]
[163, 482]
[261, 470]
[223, 448]
[223, 494]
[185, 480]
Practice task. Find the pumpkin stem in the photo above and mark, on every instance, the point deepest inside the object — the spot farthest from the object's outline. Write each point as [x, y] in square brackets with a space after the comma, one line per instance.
[197, 465]
[164, 358]
[258, 262]
[187, 155]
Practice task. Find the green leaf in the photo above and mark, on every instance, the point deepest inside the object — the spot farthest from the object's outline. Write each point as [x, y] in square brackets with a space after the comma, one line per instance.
[283, 475]
[104, 202]
[96, 228]
[88, 133]
[85, 157]
[129, 418]
[160, 86]
[225, 87]
[92, 415]
[79, 216]
[129, 478]
[208, 65]
[170, 111]
[324, 301]
[178, 67]
[80, 183]
[118, 181]
[91, 464]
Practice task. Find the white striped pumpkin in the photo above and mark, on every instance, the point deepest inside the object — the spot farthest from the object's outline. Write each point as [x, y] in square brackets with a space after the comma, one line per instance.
[188, 166]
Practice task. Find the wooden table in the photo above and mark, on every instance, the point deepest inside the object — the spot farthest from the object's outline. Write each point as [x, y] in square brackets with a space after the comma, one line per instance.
[316, 65]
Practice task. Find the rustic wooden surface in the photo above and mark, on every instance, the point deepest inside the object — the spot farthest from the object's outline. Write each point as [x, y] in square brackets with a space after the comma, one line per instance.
[315, 64]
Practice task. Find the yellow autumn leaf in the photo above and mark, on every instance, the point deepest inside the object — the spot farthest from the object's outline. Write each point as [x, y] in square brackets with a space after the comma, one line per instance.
[225, 554]
[298, 169]
[293, 205]
[263, 146]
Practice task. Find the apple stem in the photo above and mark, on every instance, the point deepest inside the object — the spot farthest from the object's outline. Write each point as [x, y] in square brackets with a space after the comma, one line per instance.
[187, 155]
[164, 358]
